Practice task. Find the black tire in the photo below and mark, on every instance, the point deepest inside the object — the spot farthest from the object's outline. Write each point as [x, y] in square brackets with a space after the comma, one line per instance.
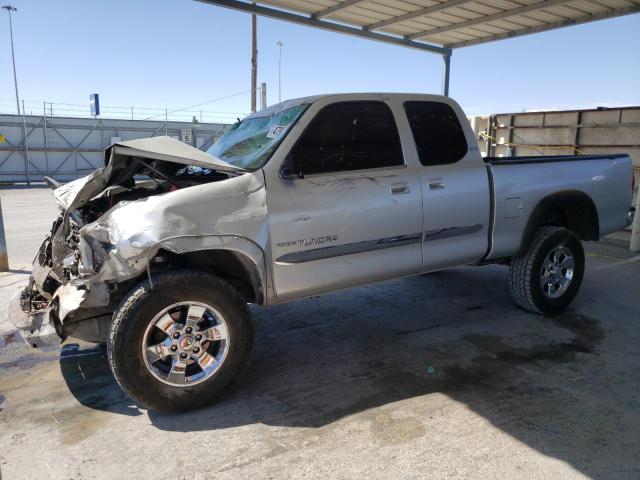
[142, 304]
[526, 271]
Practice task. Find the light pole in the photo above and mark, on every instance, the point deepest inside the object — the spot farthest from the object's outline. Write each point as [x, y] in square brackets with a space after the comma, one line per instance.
[279, 44]
[11, 9]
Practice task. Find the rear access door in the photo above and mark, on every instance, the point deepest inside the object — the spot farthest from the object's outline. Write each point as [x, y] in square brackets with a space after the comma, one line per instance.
[454, 183]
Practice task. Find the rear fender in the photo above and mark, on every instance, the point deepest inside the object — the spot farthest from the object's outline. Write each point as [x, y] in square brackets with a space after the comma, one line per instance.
[578, 213]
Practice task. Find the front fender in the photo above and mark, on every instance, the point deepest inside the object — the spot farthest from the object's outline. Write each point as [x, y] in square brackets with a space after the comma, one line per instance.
[250, 252]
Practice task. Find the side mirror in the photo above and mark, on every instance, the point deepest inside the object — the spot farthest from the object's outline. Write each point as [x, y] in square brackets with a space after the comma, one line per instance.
[287, 170]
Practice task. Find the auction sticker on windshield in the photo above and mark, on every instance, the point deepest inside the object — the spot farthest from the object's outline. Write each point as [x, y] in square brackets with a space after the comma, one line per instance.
[276, 130]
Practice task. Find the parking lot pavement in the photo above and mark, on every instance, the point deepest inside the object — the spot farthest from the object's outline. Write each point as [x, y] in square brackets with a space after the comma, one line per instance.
[436, 376]
[28, 214]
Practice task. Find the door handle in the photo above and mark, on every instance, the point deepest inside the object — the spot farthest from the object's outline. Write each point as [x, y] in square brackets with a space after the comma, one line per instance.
[398, 188]
[436, 183]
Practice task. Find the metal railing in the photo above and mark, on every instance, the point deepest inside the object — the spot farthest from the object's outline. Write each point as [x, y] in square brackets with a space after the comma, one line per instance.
[132, 112]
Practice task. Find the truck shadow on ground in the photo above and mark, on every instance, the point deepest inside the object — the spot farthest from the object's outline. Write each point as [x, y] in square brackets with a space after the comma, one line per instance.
[323, 359]
[87, 374]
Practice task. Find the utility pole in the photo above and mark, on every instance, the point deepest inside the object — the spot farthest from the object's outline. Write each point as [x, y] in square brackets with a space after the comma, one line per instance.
[279, 44]
[11, 9]
[254, 61]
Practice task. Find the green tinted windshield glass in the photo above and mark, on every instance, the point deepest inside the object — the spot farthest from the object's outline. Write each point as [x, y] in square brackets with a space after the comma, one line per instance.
[249, 143]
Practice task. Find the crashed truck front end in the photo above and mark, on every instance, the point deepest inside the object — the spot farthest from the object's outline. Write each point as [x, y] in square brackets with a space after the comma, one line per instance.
[112, 225]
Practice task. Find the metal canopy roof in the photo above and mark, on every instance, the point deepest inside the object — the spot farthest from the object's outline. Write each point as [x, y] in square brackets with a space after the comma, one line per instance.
[436, 26]
[449, 23]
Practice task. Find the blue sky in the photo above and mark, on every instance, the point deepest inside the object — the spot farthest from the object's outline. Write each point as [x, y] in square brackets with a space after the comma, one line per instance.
[175, 53]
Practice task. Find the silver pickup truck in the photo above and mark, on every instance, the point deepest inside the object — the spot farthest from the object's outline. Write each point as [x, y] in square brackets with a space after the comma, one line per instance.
[158, 253]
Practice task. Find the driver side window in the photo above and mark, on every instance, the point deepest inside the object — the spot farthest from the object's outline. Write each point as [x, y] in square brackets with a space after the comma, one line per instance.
[349, 136]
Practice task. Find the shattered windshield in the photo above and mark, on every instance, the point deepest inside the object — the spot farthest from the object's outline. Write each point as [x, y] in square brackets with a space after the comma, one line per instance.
[250, 142]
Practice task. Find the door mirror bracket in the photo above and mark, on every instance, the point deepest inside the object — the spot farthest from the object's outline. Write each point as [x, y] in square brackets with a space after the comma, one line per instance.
[287, 170]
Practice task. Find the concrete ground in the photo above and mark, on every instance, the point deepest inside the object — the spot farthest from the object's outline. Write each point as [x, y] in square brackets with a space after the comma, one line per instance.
[437, 376]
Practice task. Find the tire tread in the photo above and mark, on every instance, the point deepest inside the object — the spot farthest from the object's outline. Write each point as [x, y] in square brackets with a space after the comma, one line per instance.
[521, 271]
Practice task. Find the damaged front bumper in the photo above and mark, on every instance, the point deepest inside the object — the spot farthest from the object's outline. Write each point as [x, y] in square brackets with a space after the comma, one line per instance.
[72, 311]
[37, 328]
[45, 311]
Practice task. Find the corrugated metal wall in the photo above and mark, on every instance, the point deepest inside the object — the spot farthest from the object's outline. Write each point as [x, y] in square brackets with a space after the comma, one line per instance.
[66, 148]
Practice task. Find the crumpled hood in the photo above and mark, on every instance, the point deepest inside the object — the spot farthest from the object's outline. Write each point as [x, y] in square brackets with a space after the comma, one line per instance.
[76, 193]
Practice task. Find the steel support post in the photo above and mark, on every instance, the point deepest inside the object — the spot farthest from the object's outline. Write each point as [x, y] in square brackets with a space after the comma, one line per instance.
[634, 246]
[446, 68]
[4, 259]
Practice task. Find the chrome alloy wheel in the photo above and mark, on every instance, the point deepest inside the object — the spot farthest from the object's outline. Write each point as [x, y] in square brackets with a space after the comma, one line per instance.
[557, 272]
[185, 344]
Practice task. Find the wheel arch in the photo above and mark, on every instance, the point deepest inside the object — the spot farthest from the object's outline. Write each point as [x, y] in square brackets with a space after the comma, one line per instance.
[238, 260]
[572, 209]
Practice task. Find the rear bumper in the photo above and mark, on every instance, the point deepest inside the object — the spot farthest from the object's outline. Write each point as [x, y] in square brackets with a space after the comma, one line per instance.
[36, 328]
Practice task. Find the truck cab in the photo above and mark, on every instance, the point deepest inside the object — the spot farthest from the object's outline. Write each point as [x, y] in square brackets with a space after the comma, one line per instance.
[381, 186]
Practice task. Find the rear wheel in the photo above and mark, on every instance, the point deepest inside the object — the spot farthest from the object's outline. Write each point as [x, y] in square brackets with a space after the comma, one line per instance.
[548, 277]
[178, 344]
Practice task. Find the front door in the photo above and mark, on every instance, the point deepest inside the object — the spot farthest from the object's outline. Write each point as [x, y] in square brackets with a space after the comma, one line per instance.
[352, 212]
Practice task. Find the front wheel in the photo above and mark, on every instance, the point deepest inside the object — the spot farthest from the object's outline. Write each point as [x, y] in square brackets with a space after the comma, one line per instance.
[547, 278]
[175, 346]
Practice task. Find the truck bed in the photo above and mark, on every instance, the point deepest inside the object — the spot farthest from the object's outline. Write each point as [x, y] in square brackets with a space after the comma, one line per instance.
[519, 184]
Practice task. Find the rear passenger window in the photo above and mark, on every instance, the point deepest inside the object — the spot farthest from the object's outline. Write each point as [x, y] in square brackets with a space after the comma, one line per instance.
[349, 136]
[437, 132]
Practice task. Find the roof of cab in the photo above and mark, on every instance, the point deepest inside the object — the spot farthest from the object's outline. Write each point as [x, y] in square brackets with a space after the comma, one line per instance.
[287, 104]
